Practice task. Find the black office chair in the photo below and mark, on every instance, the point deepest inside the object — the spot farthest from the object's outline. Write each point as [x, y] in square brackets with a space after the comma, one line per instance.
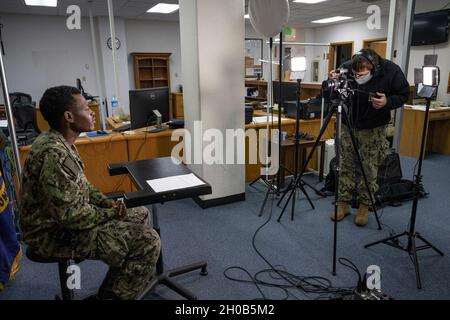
[63, 264]
[24, 112]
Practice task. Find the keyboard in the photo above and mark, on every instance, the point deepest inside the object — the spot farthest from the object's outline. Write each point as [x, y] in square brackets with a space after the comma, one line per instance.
[123, 128]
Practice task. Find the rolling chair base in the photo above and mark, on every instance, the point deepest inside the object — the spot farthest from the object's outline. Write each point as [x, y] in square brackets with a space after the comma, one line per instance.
[165, 278]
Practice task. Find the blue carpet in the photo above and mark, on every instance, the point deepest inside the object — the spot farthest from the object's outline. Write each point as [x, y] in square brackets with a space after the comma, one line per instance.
[223, 237]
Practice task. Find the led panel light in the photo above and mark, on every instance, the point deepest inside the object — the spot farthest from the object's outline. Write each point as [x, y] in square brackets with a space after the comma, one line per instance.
[42, 3]
[332, 19]
[164, 8]
[247, 16]
[298, 64]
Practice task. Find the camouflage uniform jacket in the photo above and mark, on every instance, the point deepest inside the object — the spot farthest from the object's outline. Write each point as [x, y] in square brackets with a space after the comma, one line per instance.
[57, 200]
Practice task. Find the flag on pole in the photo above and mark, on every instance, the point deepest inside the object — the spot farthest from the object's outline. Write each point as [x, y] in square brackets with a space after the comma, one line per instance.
[10, 249]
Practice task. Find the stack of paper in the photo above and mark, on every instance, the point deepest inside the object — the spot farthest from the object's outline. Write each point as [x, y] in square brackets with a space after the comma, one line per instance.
[175, 182]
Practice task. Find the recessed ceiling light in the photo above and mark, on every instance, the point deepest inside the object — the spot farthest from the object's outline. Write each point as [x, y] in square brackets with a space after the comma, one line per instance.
[164, 8]
[332, 19]
[309, 1]
[247, 16]
[42, 3]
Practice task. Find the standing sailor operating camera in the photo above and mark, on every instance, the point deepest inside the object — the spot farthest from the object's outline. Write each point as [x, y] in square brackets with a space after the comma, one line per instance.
[379, 86]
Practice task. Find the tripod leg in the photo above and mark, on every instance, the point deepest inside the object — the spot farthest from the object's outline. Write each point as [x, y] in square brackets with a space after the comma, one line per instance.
[386, 239]
[300, 185]
[285, 205]
[317, 142]
[363, 171]
[429, 244]
[289, 188]
[415, 261]
[261, 211]
[318, 192]
[293, 205]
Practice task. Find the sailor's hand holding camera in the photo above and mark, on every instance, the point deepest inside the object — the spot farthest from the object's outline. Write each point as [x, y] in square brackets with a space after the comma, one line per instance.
[379, 101]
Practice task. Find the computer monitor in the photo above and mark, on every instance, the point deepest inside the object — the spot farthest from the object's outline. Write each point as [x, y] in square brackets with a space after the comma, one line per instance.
[289, 90]
[142, 104]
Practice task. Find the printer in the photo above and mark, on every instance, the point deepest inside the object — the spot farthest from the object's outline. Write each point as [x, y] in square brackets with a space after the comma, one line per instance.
[309, 109]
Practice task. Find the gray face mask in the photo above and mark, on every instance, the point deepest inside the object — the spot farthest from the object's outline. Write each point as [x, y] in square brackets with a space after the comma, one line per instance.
[365, 79]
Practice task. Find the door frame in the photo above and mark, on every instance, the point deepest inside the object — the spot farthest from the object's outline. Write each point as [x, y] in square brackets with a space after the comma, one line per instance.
[332, 52]
[365, 41]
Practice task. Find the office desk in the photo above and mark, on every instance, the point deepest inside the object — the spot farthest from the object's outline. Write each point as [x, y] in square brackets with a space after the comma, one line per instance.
[140, 172]
[438, 134]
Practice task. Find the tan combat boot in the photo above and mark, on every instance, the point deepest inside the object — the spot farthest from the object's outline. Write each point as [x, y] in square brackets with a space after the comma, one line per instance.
[362, 216]
[343, 210]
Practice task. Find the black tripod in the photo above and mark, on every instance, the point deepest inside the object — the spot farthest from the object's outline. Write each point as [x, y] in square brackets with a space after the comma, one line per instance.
[411, 234]
[297, 182]
[339, 108]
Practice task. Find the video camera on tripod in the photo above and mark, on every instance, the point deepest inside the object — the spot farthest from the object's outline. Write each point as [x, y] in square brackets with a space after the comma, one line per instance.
[341, 81]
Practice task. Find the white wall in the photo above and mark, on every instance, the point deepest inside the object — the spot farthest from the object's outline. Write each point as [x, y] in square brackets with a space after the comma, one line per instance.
[41, 52]
[352, 31]
[443, 50]
[155, 36]
[105, 57]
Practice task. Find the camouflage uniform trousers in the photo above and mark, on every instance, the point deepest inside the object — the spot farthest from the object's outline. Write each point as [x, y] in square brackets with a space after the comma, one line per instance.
[373, 146]
[130, 248]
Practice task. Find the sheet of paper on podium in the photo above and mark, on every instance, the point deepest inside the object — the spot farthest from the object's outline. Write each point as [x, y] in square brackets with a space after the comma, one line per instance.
[175, 182]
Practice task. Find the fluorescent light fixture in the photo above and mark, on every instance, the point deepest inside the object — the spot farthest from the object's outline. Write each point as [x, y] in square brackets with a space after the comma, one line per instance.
[298, 64]
[42, 3]
[247, 16]
[332, 19]
[163, 8]
[309, 1]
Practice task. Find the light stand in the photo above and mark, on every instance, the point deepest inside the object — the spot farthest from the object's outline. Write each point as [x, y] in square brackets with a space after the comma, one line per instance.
[269, 110]
[276, 189]
[10, 118]
[411, 248]
[292, 188]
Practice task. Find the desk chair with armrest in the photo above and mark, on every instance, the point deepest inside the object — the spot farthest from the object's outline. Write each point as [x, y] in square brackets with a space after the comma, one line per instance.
[24, 113]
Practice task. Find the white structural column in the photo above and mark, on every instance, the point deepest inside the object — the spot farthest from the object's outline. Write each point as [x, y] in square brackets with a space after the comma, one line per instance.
[404, 28]
[212, 56]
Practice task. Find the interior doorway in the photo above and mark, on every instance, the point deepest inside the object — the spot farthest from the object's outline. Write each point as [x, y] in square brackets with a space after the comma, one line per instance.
[378, 45]
[340, 52]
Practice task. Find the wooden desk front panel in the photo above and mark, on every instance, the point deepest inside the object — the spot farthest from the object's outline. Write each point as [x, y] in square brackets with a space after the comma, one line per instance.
[97, 153]
[437, 137]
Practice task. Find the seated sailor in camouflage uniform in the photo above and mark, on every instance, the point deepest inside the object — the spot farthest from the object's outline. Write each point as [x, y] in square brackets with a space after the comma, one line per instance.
[63, 215]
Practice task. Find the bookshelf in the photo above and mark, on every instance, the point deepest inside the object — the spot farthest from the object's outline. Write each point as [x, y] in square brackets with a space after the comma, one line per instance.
[151, 70]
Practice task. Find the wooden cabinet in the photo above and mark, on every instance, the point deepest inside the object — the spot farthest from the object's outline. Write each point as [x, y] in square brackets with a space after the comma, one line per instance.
[177, 103]
[151, 70]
